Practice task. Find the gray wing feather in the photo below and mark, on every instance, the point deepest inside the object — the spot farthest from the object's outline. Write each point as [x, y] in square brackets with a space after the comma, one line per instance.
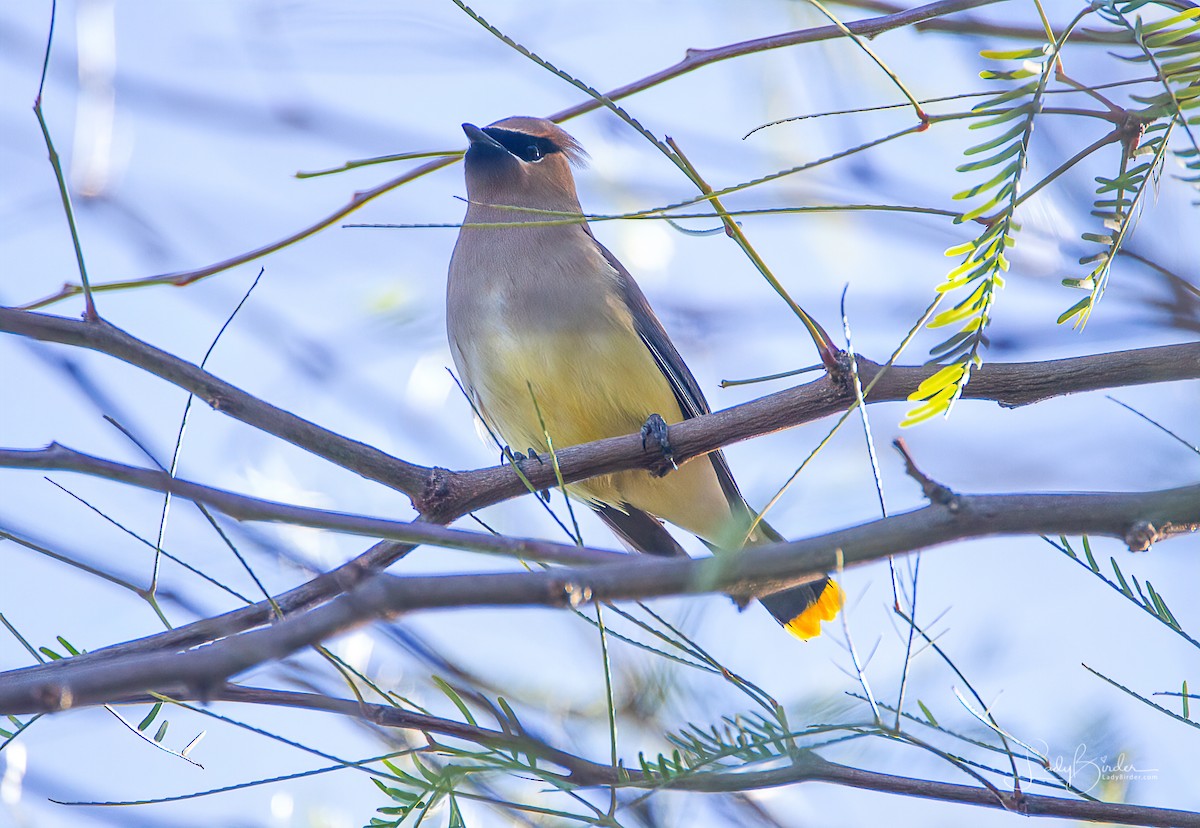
[683, 384]
[787, 605]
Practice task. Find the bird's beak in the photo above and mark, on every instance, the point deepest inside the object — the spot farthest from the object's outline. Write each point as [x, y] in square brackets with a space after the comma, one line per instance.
[478, 137]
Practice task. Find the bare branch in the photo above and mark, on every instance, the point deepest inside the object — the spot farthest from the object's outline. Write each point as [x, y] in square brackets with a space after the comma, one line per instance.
[98, 335]
[81, 681]
[442, 496]
[1010, 384]
[243, 507]
[813, 768]
[695, 59]
[805, 766]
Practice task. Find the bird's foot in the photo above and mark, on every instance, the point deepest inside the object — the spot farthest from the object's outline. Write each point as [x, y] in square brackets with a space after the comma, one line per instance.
[518, 459]
[655, 429]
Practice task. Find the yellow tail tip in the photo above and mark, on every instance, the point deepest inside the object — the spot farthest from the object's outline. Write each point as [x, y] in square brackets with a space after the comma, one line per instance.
[807, 624]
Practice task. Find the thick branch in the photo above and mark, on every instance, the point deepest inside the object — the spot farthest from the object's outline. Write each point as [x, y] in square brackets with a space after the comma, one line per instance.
[451, 494]
[1135, 517]
[805, 767]
[442, 496]
[813, 768]
[1010, 384]
[98, 335]
[56, 457]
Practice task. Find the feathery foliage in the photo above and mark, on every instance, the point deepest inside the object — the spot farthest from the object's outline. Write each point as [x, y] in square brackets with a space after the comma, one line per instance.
[1171, 47]
[979, 274]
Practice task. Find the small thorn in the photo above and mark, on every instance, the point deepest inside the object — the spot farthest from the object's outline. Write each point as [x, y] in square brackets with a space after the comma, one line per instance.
[934, 491]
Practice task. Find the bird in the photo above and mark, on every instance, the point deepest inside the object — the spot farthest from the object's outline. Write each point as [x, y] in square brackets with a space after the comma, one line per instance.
[556, 345]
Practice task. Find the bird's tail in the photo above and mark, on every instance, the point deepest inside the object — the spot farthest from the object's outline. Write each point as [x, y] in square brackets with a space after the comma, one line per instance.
[800, 609]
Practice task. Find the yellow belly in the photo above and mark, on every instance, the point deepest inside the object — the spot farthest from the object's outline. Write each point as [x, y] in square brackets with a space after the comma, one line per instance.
[579, 386]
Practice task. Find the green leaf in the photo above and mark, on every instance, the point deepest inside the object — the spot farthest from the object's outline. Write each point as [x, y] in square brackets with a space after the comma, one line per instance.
[960, 249]
[456, 817]
[397, 794]
[1008, 74]
[1009, 151]
[1102, 256]
[1151, 28]
[1009, 95]
[1001, 116]
[1120, 577]
[1075, 310]
[1179, 51]
[150, 716]
[457, 699]
[1001, 194]
[1016, 54]
[940, 351]
[407, 778]
[1087, 284]
[430, 776]
[1016, 130]
[1165, 39]
[1006, 172]
[161, 733]
[1087, 550]
[928, 715]
[508, 711]
[1164, 612]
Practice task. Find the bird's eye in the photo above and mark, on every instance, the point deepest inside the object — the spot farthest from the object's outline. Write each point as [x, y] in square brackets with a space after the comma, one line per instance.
[532, 153]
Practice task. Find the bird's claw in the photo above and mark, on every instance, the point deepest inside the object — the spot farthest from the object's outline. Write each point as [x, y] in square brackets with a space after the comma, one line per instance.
[518, 459]
[655, 429]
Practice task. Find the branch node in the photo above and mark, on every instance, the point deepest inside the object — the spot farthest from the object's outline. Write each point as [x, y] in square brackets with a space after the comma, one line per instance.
[576, 594]
[434, 495]
[1141, 536]
[841, 371]
[54, 697]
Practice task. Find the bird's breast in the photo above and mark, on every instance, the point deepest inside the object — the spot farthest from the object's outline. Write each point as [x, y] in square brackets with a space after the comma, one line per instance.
[578, 380]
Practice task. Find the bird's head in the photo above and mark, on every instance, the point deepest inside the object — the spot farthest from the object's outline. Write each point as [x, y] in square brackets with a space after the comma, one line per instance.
[522, 162]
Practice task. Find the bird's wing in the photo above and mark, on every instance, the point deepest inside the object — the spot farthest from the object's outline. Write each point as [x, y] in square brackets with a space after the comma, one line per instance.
[800, 609]
[683, 384]
[638, 530]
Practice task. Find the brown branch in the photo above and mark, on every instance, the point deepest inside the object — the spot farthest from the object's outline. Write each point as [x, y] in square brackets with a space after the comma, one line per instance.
[805, 767]
[454, 494]
[56, 457]
[985, 27]
[694, 59]
[580, 771]
[442, 496]
[450, 494]
[1010, 384]
[98, 335]
[812, 768]
[83, 681]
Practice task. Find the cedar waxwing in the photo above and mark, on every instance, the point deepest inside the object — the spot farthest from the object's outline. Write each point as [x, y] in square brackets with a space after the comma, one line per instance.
[551, 335]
